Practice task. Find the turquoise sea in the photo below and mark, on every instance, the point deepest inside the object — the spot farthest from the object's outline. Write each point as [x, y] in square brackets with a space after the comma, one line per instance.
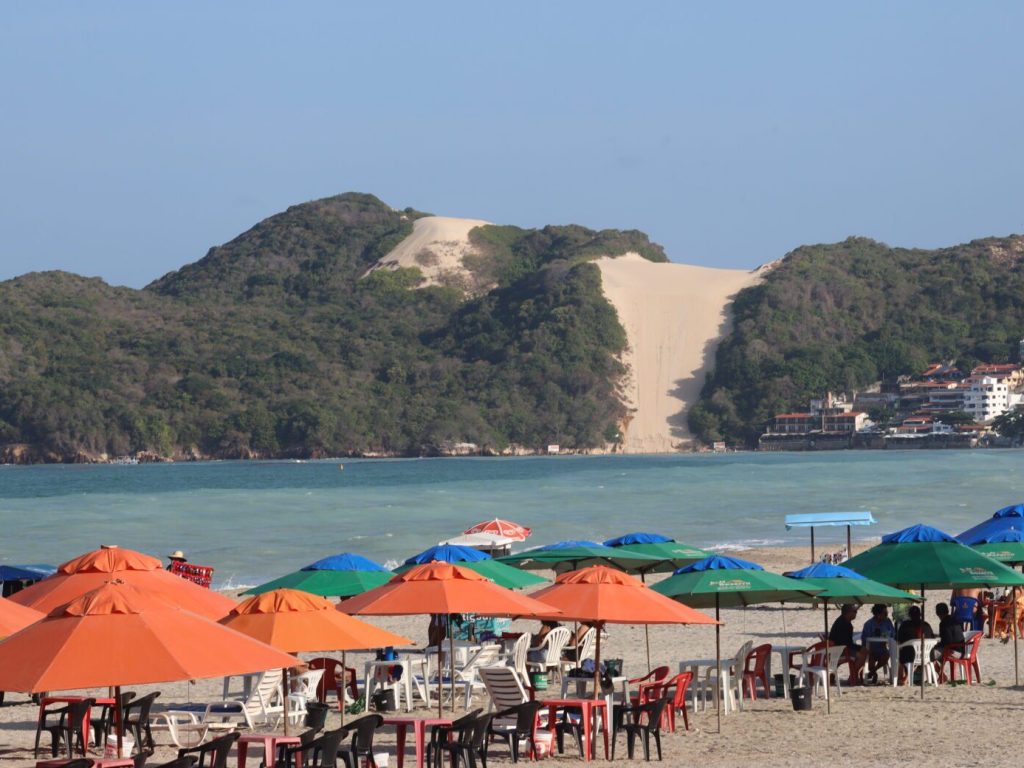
[256, 520]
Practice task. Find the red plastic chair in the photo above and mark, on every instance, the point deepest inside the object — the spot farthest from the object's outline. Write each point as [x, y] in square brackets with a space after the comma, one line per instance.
[968, 662]
[681, 682]
[758, 673]
[332, 682]
[652, 679]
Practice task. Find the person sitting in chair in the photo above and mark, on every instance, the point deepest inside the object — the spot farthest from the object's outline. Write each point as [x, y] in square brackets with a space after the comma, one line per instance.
[913, 628]
[537, 651]
[951, 632]
[842, 634]
[879, 625]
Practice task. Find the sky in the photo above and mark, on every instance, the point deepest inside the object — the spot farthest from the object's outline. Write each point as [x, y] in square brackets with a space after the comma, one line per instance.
[135, 136]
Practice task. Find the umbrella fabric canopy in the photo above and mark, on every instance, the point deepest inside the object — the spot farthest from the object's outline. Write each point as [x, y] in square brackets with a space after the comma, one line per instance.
[841, 585]
[119, 634]
[25, 572]
[340, 575]
[1000, 537]
[671, 554]
[602, 595]
[922, 557]
[572, 555]
[605, 595]
[477, 561]
[505, 528]
[442, 588]
[294, 621]
[94, 569]
[731, 582]
[14, 617]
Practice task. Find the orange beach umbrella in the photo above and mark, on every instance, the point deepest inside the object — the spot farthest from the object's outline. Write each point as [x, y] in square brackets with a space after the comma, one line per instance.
[295, 621]
[500, 527]
[14, 617]
[443, 588]
[120, 635]
[93, 569]
[601, 595]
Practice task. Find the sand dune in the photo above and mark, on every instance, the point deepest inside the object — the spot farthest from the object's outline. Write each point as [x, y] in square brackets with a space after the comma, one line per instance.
[436, 246]
[674, 316]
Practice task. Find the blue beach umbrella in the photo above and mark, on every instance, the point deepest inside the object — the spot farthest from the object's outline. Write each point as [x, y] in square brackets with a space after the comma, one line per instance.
[475, 560]
[1000, 537]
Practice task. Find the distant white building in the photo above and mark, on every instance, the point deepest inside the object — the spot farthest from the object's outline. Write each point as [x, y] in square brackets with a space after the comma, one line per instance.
[987, 397]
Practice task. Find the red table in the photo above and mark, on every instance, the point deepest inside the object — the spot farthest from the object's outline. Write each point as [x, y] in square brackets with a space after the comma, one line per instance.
[419, 729]
[269, 741]
[46, 700]
[590, 709]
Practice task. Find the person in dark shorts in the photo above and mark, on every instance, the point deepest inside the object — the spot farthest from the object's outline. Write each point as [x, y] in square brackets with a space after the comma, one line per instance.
[879, 625]
[842, 634]
[914, 627]
[951, 632]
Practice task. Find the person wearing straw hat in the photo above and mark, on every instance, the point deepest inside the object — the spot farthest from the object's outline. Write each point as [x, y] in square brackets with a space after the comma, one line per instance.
[177, 556]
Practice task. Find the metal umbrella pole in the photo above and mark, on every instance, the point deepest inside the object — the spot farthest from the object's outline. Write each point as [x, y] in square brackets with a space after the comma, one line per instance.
[718, 663]
[647, 629]
[828, 667]
[924, 603]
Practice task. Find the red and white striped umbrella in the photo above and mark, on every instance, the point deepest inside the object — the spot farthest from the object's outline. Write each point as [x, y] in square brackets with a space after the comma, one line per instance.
[505, 528]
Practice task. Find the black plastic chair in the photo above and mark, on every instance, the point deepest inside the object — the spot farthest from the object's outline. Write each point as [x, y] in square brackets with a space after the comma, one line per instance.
[304, 739]
[71, 727]
[478, 742]
[571, 722]
[319, 752]
[362, 731]
[104, 724]
[180, 762]
[217, 750]
[453, 739]
[650, 712]
[526, 720]
[136, 720]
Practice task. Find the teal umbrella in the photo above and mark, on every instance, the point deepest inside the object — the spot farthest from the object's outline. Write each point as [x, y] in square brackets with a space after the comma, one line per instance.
[572, 555]
[730, 582]
[922, 557]
[341, 575]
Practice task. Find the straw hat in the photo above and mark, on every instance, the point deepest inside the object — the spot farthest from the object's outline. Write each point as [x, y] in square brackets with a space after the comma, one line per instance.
[176, 555]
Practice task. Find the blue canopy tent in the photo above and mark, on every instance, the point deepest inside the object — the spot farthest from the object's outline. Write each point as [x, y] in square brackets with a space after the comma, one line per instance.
[814, 520]
[16, 577]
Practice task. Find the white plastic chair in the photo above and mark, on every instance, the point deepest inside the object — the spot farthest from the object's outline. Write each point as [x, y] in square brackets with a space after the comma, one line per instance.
[516, 658]
[584, 650]
[731, 693]
[930, 675]
[553, 643]
[817, 668]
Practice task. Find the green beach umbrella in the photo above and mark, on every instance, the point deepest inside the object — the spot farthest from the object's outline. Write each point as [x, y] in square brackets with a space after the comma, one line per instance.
[1005, 548]
[670, 554]
[341, 575]
[922, 557]
[566, 556]
[1000, 537]
[728, 582]
[475, 560]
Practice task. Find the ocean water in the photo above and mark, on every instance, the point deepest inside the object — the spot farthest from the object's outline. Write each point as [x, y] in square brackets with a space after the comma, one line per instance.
[256, 520]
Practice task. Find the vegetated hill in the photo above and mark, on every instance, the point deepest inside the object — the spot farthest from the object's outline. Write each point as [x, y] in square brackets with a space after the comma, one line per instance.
[840, 317]
[274, 345]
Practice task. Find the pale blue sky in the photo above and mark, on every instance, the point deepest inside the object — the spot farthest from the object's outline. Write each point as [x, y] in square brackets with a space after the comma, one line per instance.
[135, 136]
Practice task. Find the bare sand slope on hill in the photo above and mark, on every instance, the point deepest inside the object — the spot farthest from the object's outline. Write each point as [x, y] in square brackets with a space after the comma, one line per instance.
[436, 246]
[674, 316]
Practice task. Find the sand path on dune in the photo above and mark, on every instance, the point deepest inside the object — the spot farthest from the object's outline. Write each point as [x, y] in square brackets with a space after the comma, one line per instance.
[674, 316]
[437, 247]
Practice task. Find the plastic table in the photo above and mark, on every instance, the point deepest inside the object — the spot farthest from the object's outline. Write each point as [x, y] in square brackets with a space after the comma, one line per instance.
[419, 730]
[695, 665]
[126, 762]
[785, 653]
[590, 708]
[269, 742]
[404, 686]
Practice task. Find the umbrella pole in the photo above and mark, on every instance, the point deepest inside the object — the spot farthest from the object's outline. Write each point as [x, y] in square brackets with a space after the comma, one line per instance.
[812, 545]
[118, 721]
[344, 686]
[786, 656]
[1016, 658]
[440, 681]
[718, 662]
[451, 659]
[597, 663]
[828, 670]
[647, 628]
[924, 602]
[284, 691]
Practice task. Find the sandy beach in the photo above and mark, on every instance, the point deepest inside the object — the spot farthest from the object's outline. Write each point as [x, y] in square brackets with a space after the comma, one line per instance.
[869, 726]
[674, 316]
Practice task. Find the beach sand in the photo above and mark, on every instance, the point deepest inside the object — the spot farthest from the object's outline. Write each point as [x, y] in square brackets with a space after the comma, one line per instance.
[869, 726]
[674, 316]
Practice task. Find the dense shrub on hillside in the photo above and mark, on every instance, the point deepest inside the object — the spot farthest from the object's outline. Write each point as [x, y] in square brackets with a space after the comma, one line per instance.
[838, 317]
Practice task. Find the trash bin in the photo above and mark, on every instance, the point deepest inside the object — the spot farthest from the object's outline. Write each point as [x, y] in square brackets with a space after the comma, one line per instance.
[801, 698]
[316, 715]
[780, 688]
[539, 681]
[613, 667]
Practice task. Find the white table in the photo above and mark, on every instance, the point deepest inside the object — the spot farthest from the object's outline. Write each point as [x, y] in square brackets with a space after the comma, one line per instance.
[785, 653]
[725, 681]
[583, 683]
[890, 644]
[404, 684]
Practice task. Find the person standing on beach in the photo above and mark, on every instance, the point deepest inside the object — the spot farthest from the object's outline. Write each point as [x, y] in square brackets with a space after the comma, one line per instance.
[177, 556]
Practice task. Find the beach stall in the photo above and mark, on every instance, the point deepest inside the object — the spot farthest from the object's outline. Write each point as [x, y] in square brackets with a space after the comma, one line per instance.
[814, 520]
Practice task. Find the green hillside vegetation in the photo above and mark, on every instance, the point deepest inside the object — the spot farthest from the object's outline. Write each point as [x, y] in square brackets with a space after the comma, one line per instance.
[278, 344]
[840, 317]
